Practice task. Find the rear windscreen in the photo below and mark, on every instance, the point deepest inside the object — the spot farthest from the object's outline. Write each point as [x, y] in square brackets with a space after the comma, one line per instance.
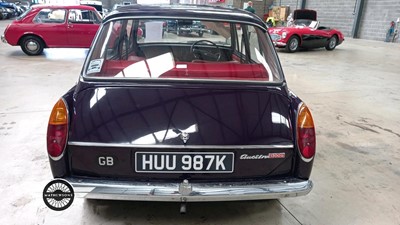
[182, 49]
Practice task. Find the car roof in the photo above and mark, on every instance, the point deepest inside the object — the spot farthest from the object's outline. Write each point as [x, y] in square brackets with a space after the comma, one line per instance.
[197, 12]
[63, 7]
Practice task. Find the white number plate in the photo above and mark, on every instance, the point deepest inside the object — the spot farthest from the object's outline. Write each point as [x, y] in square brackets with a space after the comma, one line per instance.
[184, 162]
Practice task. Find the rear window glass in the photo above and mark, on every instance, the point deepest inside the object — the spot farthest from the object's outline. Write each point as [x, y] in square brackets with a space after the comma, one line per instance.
[182, 49]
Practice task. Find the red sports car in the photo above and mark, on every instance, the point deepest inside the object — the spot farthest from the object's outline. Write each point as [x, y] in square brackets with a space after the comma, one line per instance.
[305, 33]
[44, 26]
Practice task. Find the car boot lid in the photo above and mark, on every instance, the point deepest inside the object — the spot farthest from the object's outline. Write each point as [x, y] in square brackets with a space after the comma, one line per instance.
[306, 14]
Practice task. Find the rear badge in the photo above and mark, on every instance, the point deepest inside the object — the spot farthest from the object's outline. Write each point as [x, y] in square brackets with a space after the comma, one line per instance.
[280, 155]
[184, 136]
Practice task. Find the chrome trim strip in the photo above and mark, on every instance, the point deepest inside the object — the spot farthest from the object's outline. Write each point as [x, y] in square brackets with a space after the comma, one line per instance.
[127, 145]
[190, 192]
[278, 82]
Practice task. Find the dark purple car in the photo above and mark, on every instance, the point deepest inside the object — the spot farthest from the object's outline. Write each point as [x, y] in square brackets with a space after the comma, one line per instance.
[163, 117]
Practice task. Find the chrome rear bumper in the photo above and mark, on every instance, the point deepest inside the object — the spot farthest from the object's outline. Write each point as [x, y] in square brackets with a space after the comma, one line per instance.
[190, 192]
[3, 39]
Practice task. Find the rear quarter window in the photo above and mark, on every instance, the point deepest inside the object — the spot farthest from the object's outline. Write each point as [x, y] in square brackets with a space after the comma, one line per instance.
[23, 15]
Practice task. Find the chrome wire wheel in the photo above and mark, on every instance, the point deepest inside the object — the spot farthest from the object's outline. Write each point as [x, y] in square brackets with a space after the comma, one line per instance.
[293, 44]
[331, 43]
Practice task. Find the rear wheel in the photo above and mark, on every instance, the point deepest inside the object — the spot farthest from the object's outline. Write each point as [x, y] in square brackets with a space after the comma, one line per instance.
[32, 45]
[293, 44]
[331, 43]
[200, 33]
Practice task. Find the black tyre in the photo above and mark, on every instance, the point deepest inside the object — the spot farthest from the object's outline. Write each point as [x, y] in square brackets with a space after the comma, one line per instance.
[332, 43]
[293, 44]
[201, 34]
[32, 45]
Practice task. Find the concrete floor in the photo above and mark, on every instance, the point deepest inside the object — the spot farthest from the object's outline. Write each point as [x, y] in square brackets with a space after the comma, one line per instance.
[352, 91]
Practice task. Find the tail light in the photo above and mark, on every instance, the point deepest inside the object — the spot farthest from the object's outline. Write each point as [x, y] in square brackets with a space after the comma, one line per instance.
[57, 130]
[305, 133]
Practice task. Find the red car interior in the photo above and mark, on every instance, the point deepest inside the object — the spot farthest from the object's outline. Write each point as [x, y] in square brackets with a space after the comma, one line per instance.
[197, 69]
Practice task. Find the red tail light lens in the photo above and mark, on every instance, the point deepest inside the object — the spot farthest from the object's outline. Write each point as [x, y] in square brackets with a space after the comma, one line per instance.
[305, 132]
[57, 130]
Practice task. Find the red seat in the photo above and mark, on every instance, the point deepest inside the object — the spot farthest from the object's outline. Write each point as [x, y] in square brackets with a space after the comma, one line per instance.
[217, 70]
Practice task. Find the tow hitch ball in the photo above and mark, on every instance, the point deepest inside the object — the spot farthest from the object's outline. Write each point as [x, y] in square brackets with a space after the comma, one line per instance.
[182, 210]
[184, 189]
